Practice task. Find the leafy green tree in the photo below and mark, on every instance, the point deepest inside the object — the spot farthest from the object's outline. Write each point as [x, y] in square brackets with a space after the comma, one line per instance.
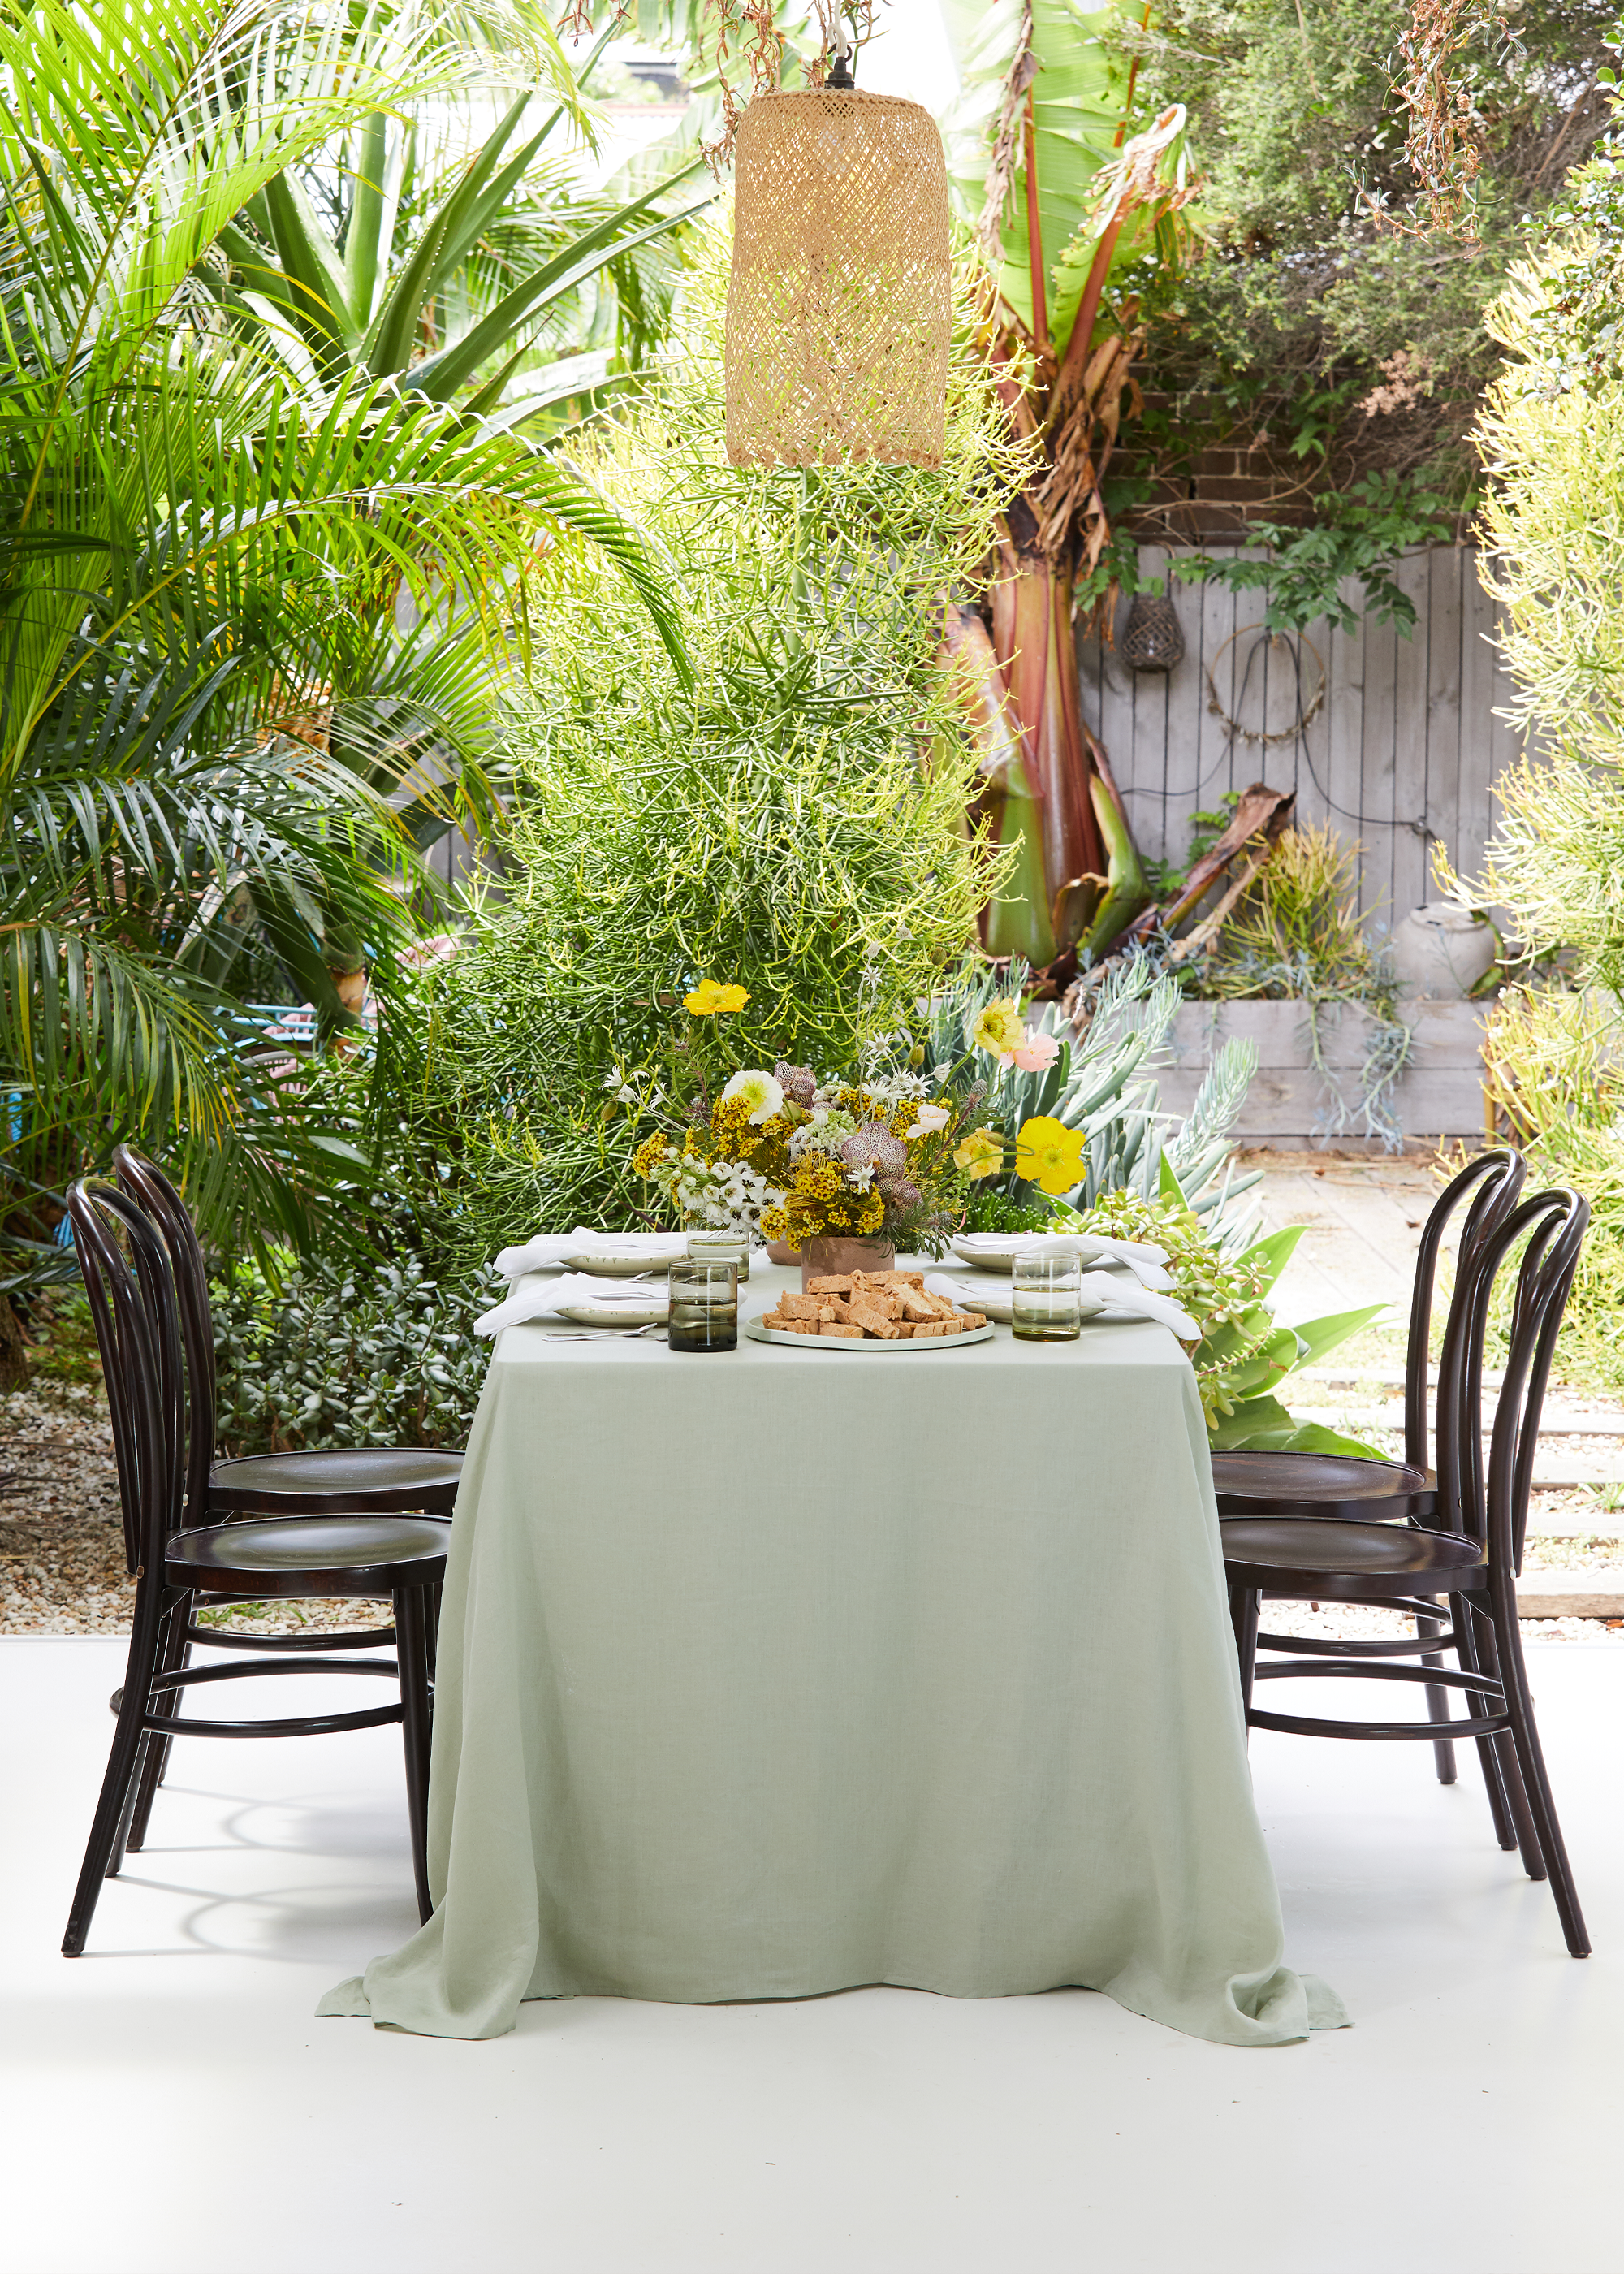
[1332, 313]
[249, 642]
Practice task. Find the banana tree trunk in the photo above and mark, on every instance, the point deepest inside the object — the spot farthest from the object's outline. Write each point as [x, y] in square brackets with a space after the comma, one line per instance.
[1061, 879]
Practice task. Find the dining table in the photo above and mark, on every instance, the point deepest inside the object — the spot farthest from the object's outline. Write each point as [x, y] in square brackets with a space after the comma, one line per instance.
[794, 1668]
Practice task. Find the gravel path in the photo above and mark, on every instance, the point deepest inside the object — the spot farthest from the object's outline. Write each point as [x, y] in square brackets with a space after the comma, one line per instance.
[62, 1542]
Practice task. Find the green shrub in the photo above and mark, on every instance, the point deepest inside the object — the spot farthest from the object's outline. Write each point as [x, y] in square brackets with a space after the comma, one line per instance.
[794, 822]
[371, 1351]
[1552, 439]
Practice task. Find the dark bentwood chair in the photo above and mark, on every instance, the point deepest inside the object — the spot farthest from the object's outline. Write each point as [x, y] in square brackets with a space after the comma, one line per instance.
[379, 1479]
[1338, 1486]
[1342, 1486]
[368, 1479]
[181, 1562]
[1470, 1551]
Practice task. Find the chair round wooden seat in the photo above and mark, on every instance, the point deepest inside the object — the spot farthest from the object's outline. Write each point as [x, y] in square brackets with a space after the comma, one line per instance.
[338, 1555]
[1337, 1486]
[376, 1480]
[1335, 1558]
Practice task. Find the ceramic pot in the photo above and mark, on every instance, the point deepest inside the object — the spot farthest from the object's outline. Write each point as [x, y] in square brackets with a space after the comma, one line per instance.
[1442, 949]
[779, 1251]
[827, 1259]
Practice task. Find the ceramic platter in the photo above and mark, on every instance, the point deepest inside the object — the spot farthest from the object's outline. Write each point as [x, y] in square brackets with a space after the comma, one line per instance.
[756, 1333]
[617, 1314]
[623, 1267]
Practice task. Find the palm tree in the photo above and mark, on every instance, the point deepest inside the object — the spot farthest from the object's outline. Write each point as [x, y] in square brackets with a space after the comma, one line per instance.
[451, 289]
[248, 635]
[1062, 200]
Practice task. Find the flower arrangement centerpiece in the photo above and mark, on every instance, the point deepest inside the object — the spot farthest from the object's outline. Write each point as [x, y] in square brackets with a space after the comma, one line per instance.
[882, 1159]
[888, 1158]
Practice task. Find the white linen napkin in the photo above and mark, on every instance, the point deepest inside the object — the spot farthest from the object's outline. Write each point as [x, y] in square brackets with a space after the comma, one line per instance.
[1103, 1297]
[576, 1287]
[1143, 1261]
[548, 1249]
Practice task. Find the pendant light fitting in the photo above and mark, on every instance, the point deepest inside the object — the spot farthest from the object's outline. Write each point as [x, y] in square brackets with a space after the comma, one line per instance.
[840, 302]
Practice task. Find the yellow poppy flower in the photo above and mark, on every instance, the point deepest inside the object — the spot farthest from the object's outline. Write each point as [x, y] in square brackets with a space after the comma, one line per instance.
[710, 996]
[981, 1155]
[1049, 1154]
[999, 1029]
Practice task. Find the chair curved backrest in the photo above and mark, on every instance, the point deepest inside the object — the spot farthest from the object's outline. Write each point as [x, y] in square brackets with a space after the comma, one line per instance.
[146, 1184]
[1493, 1508]
[130, 1281]
[1497, 1178]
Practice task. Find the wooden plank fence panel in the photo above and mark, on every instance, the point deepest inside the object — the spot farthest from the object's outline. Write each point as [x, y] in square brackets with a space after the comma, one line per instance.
[1343, 780]
[1401, 754]
[1446, 775]
[1411, 669]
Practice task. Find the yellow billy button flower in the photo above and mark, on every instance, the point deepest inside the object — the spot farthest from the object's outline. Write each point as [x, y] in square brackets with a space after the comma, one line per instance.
[710, 996]
[999, 1030]
[981, 1155]
[1049, 1154]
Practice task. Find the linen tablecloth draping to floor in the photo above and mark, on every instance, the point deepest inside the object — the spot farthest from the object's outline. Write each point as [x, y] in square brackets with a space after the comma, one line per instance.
[775, 1673]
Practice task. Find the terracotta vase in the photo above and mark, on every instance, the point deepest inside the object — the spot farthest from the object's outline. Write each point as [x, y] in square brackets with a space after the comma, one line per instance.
[828, 1259]
[780, 1251]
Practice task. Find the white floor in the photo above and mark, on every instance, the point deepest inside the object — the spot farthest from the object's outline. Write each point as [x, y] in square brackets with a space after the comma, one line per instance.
[169, 2102]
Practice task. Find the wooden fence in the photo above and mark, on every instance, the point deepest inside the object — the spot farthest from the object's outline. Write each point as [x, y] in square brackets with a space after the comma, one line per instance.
[1401, 746]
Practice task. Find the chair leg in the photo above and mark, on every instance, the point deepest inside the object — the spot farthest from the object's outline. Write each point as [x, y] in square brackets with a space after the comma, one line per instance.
[112, 1807]
[176, 1656]
[1243, 1618]
[1471, 1662]
[430, 1619]
[1438, 1704]
[1511, 1779]
[1531, 1761]
[411, 1617]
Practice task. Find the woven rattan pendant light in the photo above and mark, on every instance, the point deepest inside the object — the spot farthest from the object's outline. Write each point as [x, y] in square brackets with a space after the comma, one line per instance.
[838, 306]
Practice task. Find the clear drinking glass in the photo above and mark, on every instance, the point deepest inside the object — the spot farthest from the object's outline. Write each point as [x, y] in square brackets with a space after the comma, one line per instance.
[721, 1247]
[704, 1306]
[1046, 1297]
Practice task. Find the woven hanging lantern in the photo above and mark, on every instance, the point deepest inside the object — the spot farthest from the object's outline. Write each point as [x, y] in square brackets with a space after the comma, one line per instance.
[1154, 639]
[839, 304]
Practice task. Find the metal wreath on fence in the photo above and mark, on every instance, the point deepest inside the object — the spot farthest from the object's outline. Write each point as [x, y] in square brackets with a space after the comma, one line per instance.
[1258, 737]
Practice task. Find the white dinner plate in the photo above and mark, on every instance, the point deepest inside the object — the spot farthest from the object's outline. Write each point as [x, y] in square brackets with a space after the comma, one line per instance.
[980, 1263]
[757, 1333]
[623, 1267]
[613, 1315]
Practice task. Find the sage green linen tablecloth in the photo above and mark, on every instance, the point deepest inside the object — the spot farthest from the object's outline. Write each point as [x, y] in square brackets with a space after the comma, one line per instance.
[775, 1673]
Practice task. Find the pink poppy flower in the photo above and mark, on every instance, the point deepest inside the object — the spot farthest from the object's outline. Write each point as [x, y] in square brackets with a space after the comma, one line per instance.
[1034, 1053]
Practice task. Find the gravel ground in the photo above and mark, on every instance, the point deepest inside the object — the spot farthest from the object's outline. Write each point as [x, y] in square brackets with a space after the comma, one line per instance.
[62, 1542]
[61, 1554]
